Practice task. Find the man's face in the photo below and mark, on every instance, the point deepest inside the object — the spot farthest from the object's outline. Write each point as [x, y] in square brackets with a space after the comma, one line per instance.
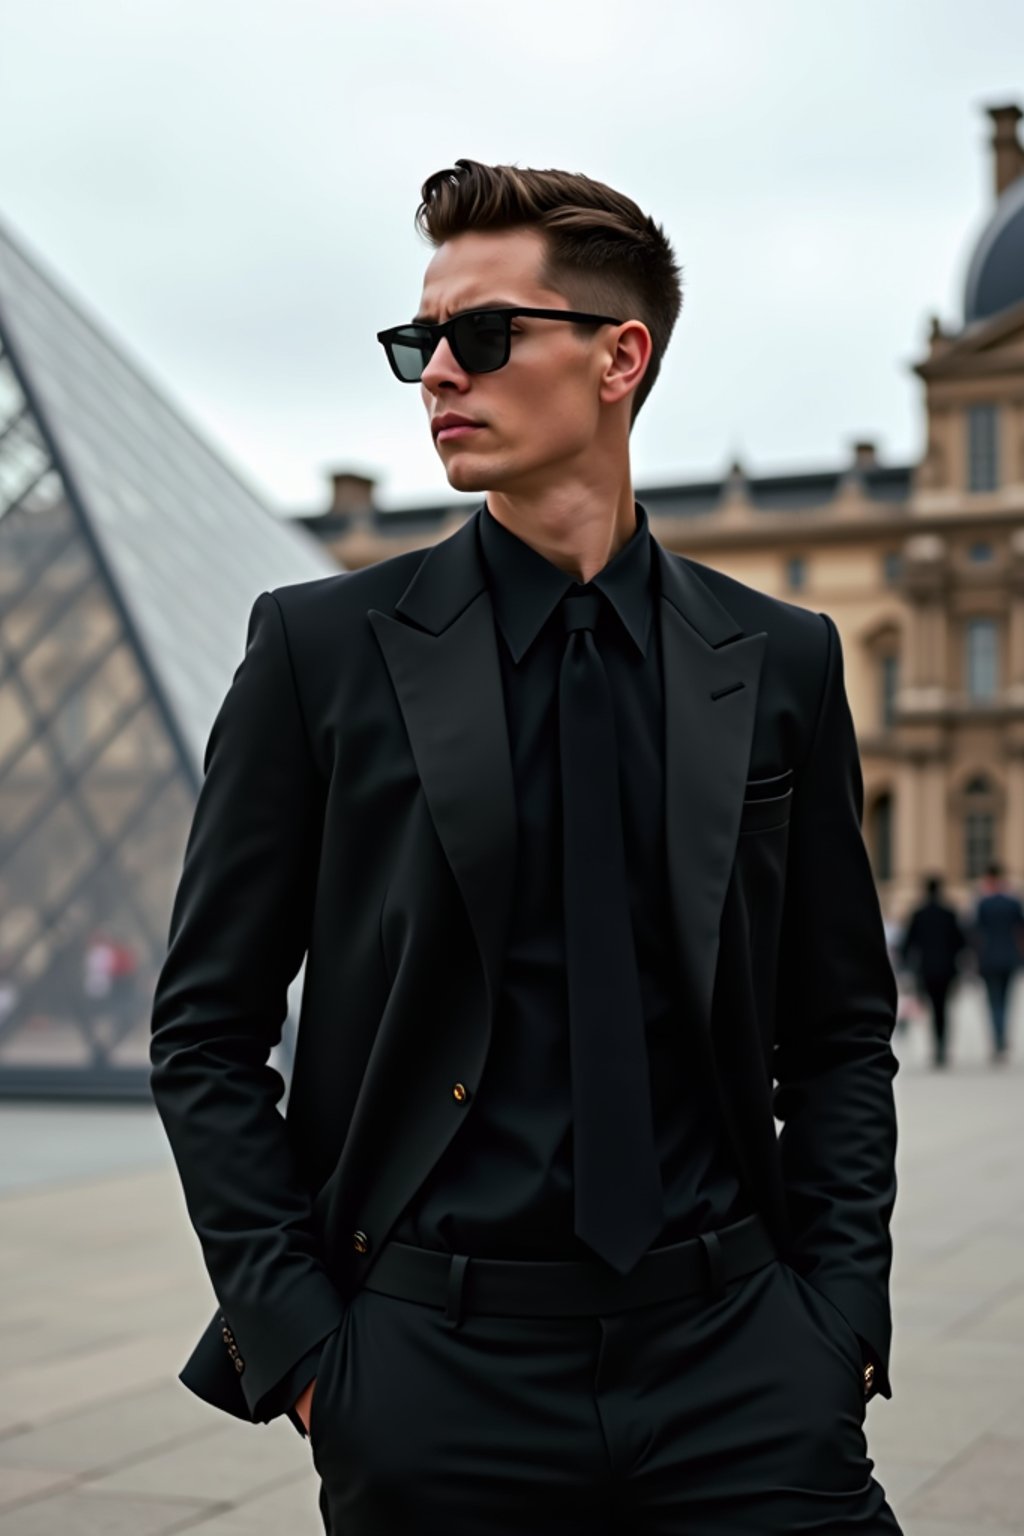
[540, 413]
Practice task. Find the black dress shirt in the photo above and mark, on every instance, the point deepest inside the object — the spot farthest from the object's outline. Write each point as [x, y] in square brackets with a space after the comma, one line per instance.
[503, 1187]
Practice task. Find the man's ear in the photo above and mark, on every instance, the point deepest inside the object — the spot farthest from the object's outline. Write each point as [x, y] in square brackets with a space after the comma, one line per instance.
[627, 363]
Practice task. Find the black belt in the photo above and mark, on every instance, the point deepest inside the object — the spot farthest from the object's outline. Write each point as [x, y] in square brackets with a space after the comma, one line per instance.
[458, 1283]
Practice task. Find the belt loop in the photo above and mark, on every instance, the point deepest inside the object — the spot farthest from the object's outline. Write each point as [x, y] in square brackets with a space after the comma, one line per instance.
[456, 1285]
[716, 1269]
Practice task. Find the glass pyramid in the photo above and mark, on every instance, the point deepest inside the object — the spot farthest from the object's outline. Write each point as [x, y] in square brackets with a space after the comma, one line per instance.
[130, 556]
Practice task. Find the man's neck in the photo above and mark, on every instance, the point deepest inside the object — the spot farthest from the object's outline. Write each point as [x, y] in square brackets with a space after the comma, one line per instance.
[578, 528]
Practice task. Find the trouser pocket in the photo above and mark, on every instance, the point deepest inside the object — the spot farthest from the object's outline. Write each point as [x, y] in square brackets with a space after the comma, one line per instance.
[832, 1323]
[327, 1369]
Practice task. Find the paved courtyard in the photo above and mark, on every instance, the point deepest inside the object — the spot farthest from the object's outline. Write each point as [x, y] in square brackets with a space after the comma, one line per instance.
[103, 1293]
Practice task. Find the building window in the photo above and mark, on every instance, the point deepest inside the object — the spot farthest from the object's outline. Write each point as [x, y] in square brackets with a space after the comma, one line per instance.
[892, 567]
[796, 572]
[982, 448]
[980, 552]
[979, 826]
[889, 673]
[881, 836]
[981, 659]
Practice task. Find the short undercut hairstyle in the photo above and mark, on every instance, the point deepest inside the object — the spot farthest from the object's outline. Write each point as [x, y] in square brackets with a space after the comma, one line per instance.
[603, 254]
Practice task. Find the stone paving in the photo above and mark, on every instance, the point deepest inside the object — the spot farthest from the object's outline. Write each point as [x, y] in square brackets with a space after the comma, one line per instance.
[102, 1293]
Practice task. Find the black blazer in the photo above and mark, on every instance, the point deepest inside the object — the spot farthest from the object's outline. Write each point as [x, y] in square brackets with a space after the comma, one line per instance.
[357, 808]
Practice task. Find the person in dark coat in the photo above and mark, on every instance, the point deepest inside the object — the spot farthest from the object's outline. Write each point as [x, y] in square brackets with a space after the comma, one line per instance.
[998, 937]
[931, 946]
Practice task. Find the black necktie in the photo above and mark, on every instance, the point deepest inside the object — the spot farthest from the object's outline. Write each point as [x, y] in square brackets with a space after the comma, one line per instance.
[618, 1197]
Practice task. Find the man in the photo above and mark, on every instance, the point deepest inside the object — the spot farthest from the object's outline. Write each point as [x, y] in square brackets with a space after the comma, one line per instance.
[998, 936]
[568, 828]
[932, 945]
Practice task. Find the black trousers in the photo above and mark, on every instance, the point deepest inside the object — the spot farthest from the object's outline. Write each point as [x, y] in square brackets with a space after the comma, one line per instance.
[737, 1416]
[938, 991]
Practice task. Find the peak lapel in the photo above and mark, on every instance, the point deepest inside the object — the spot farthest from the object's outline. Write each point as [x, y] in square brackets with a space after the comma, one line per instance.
[712, 673]
[441, 651]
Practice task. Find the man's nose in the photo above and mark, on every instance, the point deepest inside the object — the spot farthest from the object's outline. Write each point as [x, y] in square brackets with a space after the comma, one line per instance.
[443, 368]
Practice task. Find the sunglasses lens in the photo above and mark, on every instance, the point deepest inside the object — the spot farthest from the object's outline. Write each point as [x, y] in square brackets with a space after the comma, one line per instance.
[481, 341]
[411, 348]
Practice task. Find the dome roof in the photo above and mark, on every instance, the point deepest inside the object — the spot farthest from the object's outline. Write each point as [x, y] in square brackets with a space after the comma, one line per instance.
[995, 277]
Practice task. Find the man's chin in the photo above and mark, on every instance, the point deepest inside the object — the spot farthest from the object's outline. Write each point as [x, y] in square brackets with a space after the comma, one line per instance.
[468, 474]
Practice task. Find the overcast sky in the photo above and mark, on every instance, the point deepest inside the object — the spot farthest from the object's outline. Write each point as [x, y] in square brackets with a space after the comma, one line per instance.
[230, 188]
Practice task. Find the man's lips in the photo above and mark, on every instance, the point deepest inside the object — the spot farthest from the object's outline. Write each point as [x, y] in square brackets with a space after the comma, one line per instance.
[450, 424]
[464, 429]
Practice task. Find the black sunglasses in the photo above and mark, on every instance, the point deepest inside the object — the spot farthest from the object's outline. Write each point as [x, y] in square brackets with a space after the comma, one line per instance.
[480, 339]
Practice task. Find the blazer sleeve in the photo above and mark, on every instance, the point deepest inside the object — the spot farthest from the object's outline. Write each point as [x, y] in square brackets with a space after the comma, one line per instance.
[238, 932]
[836, 1011]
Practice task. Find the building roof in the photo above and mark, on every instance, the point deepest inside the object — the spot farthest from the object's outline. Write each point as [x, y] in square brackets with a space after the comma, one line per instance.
[798, 491]
[805, 491]
[995, 276]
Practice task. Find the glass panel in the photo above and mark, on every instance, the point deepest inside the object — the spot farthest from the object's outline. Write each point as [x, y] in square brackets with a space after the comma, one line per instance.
[10, 418]
[982, 448]
[44, 509]
[123, 775]
[54, 1016]
[28, 780]
[979, 842]
[114, 957]
[16, 725]
[80, 990]
[81, 950]
[66, 638]
[44, 866]
[982, 680]
[70, 560]
[23, 618]
[11, 397]
[151, 860]
[32, 536]
[23, 458]
[90, 710]
[151, 854]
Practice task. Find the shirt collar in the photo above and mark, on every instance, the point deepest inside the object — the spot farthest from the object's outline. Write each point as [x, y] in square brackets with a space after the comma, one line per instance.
[526, 587]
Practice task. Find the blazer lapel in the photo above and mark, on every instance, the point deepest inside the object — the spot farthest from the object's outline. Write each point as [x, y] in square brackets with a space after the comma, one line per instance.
[712, 673]
[441, 651]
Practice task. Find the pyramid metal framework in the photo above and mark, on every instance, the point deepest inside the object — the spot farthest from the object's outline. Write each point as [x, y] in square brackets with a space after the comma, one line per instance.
[130, 556]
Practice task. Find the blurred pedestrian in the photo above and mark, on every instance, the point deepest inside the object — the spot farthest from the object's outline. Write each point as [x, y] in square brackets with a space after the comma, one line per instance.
[997, 933]
[931, 946]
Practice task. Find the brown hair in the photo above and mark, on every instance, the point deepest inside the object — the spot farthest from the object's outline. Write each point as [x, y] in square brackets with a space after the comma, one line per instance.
[604, 254]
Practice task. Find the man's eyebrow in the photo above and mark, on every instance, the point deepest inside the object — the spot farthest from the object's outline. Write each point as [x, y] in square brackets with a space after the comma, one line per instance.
[427, 319]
